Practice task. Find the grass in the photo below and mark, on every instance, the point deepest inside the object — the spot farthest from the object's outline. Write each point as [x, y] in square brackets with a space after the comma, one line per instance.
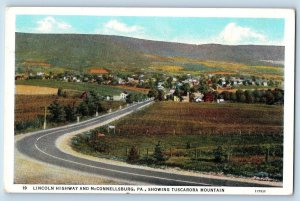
[250, 137]
[103, 90]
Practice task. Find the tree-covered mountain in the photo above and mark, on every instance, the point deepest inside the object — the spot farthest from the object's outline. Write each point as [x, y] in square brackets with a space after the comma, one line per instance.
[81, 51]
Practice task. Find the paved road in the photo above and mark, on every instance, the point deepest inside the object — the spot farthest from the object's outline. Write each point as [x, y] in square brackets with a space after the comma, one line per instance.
[41, 146]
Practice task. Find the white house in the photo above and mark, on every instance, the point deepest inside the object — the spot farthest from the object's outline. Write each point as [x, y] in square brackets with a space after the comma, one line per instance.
[265, 83]
[220, 100]
[198, 99]
[121, 97]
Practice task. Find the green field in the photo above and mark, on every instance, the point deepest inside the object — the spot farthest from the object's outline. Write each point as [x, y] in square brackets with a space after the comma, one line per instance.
[103, 90]
[239, 139]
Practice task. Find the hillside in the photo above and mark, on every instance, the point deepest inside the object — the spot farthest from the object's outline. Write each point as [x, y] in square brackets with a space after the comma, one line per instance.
[79, 52]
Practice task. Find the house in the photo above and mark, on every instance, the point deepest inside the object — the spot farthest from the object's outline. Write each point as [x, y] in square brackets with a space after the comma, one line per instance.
[208, 97]
[220, 100]
[186, 98]
[109, 98]
[84, 95]
[172, 91]
[265, 83]
[198, 94]
[198, 99]
[121, 97]
[20, 77]
[40, 74]
[176, 99]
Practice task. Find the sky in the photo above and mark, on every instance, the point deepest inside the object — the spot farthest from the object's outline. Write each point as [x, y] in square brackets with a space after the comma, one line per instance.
[196, 30]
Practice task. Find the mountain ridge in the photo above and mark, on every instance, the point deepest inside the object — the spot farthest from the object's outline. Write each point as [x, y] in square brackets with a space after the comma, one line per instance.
[79, 51]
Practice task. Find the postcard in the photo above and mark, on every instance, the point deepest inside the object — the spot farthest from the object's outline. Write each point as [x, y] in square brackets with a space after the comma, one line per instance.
[149, 100]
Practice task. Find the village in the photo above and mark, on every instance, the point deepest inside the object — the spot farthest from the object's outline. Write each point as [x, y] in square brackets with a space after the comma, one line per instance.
[178, 88]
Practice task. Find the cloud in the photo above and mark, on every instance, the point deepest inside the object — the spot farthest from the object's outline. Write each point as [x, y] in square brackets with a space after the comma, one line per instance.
[50, 24]
[234, 34]
[115, 26]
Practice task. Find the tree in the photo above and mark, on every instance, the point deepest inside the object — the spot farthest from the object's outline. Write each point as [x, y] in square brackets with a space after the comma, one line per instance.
[249, 96]
[242, 98]
[136, 97]
[83, 109]
[91, 108]
[186, 87]
[93, 96]
[257, 94]
[203, 88]
[129, 98]
[270, 99]
[152, 93]
[133, 156]
[233, 97]
[161, 95]
[278, 96]
[158, 155]
[214, 86]
[226, 95]
[57, 113]
[168, 83]
[218, 154]
[70, 113]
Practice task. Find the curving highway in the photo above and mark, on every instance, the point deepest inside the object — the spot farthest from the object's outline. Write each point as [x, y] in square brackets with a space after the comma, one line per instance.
[41, 146]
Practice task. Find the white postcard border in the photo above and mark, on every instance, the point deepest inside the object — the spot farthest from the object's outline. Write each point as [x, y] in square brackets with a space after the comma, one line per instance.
[9, 88]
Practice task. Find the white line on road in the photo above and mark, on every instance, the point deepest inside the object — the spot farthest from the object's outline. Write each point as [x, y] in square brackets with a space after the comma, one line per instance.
[118, 171]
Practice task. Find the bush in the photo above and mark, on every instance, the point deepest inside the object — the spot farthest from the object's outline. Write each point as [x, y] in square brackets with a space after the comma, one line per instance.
[218, 154]
[158, 154]
[133, 156]
[23, 125]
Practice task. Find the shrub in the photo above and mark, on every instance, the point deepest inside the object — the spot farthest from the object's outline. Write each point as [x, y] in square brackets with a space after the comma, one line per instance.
[158, 154]
[218, 154]
[133, 156]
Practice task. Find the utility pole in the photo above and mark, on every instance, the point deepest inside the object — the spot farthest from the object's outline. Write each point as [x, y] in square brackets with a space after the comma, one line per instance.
[45, 118]
[96, 111]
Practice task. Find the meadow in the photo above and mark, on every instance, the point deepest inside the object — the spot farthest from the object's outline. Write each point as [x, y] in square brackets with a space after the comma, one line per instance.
[179, 65]
[239, 139]
[102, 90]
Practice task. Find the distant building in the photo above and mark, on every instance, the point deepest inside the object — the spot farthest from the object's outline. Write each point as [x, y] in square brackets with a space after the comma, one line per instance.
[265, 83]
[176, 99]
[208, 97]
[220, 100]
[186, 98]
[20, 77]
[198, 99]
[84, 95]
[121, 97]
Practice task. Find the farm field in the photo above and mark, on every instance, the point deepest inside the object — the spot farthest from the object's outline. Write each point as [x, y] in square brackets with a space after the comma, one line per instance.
[34, 90]
[136, 89]
[239, 139]
[177, 65]
[29, 109]
[96, 70]
[103, 90]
